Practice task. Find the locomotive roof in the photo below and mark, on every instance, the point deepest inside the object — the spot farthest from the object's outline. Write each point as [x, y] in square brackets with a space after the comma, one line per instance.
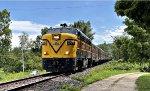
[83, 34]
[62, 30]
[68, 30]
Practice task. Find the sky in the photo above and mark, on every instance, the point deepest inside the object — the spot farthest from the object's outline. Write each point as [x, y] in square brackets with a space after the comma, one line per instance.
[32, 16]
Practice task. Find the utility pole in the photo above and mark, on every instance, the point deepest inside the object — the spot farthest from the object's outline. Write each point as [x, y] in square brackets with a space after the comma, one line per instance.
[23, 42]
[22, 58]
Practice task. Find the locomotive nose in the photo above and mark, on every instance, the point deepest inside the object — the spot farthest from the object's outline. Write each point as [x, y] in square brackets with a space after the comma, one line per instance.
[61, 45]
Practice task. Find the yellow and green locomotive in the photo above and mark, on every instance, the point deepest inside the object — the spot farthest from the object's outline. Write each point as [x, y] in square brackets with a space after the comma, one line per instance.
[68, 49]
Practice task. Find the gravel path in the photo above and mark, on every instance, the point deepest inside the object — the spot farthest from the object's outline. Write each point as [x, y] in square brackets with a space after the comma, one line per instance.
[122, 82]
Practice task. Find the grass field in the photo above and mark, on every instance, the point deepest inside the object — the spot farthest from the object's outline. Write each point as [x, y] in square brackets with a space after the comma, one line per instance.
[143, 83]
[4, 77]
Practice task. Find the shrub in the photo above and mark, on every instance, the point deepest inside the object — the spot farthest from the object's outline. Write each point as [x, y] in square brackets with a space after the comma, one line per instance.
[145, 67]
[70, 87]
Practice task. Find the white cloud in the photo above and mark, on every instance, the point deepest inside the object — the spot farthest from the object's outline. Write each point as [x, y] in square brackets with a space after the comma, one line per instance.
[109, 34]
[15, 39]
[119, 30]
[121, 18]
[26, 26]
[31, 28]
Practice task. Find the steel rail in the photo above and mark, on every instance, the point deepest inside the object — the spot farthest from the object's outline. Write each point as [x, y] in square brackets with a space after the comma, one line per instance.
[22, 83]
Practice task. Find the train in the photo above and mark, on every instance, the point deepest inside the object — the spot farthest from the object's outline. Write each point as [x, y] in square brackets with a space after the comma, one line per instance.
[66, 49]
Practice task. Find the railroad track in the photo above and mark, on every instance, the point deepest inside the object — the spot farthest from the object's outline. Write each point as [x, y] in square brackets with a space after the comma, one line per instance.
[23, 83]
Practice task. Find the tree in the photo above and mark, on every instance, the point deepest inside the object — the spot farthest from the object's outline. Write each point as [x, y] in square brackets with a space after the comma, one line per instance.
[45, 29]
[120, 46]
[85, 27]
[23, 42]
[27, 55]
[5, 32]
[140, 44]
[37, 43]
[37, 46]
[137, 21]
[135, 10]
[106, 48]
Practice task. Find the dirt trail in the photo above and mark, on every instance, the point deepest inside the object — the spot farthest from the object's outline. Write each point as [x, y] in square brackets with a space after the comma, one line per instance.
[122, 82]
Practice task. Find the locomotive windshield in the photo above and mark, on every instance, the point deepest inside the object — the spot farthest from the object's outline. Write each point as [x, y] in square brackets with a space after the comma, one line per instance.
[63, 30]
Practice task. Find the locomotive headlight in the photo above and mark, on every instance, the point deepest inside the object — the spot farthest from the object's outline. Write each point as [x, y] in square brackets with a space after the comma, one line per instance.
[67, 52]
[44, 53]
[56, 37]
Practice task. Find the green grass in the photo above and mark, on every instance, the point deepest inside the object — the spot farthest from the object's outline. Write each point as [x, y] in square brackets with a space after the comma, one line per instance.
[4, 77]
[70, 87]
[12, 76]
[143, 83]
[102, 72]
[101, 75]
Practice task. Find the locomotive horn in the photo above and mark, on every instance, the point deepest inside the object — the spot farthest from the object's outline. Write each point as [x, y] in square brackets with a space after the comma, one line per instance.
[63, 25]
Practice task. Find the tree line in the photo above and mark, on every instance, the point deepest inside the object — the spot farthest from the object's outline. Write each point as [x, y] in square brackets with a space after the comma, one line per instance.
[136, 46]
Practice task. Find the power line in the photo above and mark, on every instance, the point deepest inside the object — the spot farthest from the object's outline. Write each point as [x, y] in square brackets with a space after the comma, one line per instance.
[75, 7]
[68, 7]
